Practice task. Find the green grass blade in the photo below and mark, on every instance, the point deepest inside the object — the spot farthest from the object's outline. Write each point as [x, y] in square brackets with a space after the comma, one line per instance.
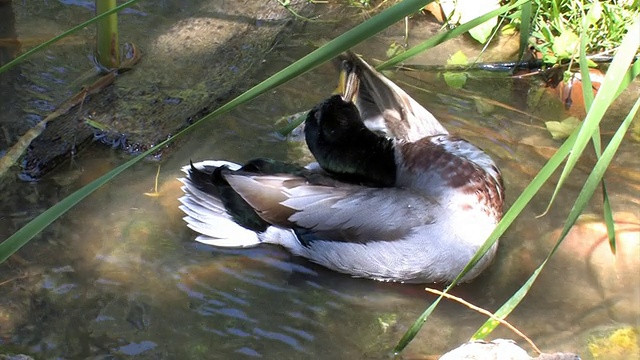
[584, 68]
[597, 146]
[490, 325]
[633, 72]
[317, 57]
[534, 186]
[595, 177]
[603, 99]
[525, 28]
[608, 218]
[442, 37]
[74, 29]
[417, 325]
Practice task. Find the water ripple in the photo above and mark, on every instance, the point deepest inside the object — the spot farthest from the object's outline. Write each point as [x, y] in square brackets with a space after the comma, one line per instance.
[248, 351]
[272, 335]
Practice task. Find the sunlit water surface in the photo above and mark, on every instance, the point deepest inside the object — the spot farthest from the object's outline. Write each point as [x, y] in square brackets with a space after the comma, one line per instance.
[121, 275]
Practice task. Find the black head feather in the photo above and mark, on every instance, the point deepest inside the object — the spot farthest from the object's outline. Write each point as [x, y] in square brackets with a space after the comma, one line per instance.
[346, 148]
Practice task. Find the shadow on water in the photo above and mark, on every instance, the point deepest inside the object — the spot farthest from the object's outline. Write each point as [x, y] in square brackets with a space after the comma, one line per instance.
[120, 274]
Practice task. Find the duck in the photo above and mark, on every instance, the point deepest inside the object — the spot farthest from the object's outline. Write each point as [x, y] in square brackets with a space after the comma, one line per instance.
[393, 196]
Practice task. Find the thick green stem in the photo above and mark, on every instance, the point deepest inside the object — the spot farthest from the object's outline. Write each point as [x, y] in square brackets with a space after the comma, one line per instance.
[107, 47]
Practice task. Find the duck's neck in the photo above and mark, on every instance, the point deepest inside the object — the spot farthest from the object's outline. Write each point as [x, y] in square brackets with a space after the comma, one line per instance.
[366, 159]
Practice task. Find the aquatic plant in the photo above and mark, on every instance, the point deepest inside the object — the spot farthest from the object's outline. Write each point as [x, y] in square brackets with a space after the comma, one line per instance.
[107, 43]
[558, 26]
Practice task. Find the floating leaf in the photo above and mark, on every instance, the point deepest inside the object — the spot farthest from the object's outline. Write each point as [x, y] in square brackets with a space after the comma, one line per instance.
[562, 129]
[459, 58]
[455, 79]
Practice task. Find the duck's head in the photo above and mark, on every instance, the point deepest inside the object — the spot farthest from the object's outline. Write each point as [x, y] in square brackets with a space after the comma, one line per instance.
[345, 147]
[384, 107]
[334, 122]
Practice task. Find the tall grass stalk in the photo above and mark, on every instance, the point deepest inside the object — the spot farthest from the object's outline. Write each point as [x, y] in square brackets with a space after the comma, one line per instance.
[55, 39]
[107, 44]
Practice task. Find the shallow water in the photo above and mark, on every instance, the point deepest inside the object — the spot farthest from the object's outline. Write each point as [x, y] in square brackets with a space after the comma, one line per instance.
[120, 274]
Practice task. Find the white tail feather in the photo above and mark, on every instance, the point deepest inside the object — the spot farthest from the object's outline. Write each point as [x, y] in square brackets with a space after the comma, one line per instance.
[214, 163]
[207, 215]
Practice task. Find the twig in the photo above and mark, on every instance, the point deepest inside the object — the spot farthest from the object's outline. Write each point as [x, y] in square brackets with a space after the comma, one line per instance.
[155, 192]
[17, 278]
[488, 313]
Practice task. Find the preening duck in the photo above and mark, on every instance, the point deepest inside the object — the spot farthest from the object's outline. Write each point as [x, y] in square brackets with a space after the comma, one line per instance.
[395, 198]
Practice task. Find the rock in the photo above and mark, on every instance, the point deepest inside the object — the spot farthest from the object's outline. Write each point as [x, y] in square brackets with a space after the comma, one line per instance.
[499, 349]
[187, 70]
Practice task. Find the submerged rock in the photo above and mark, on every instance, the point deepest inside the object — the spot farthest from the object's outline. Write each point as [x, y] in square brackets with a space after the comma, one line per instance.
[188, 69]
[499, 349]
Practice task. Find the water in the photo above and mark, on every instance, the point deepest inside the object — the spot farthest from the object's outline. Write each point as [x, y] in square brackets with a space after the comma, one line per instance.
[120, 275]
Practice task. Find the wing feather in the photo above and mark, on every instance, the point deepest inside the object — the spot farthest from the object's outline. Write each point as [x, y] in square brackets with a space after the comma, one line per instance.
[344, 212]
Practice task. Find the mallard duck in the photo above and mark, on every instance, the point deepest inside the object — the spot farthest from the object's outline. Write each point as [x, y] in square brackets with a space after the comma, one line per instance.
[403, 202]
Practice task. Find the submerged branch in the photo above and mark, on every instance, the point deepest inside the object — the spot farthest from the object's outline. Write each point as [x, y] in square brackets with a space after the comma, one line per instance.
[16, 151]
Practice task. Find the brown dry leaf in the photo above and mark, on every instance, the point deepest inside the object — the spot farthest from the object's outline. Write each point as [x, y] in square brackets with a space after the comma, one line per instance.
[435, 10]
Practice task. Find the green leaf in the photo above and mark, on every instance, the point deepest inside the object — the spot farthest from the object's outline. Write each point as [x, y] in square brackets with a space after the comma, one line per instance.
[565, 45]
[525, 29]
[455, 79]
[588, 101]
[549, 59]
[461, 11]
[591, 63]
[562, 129]
[595, 13]
[442, 37]
[508, 29]
[631, 74]
[459, 58]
